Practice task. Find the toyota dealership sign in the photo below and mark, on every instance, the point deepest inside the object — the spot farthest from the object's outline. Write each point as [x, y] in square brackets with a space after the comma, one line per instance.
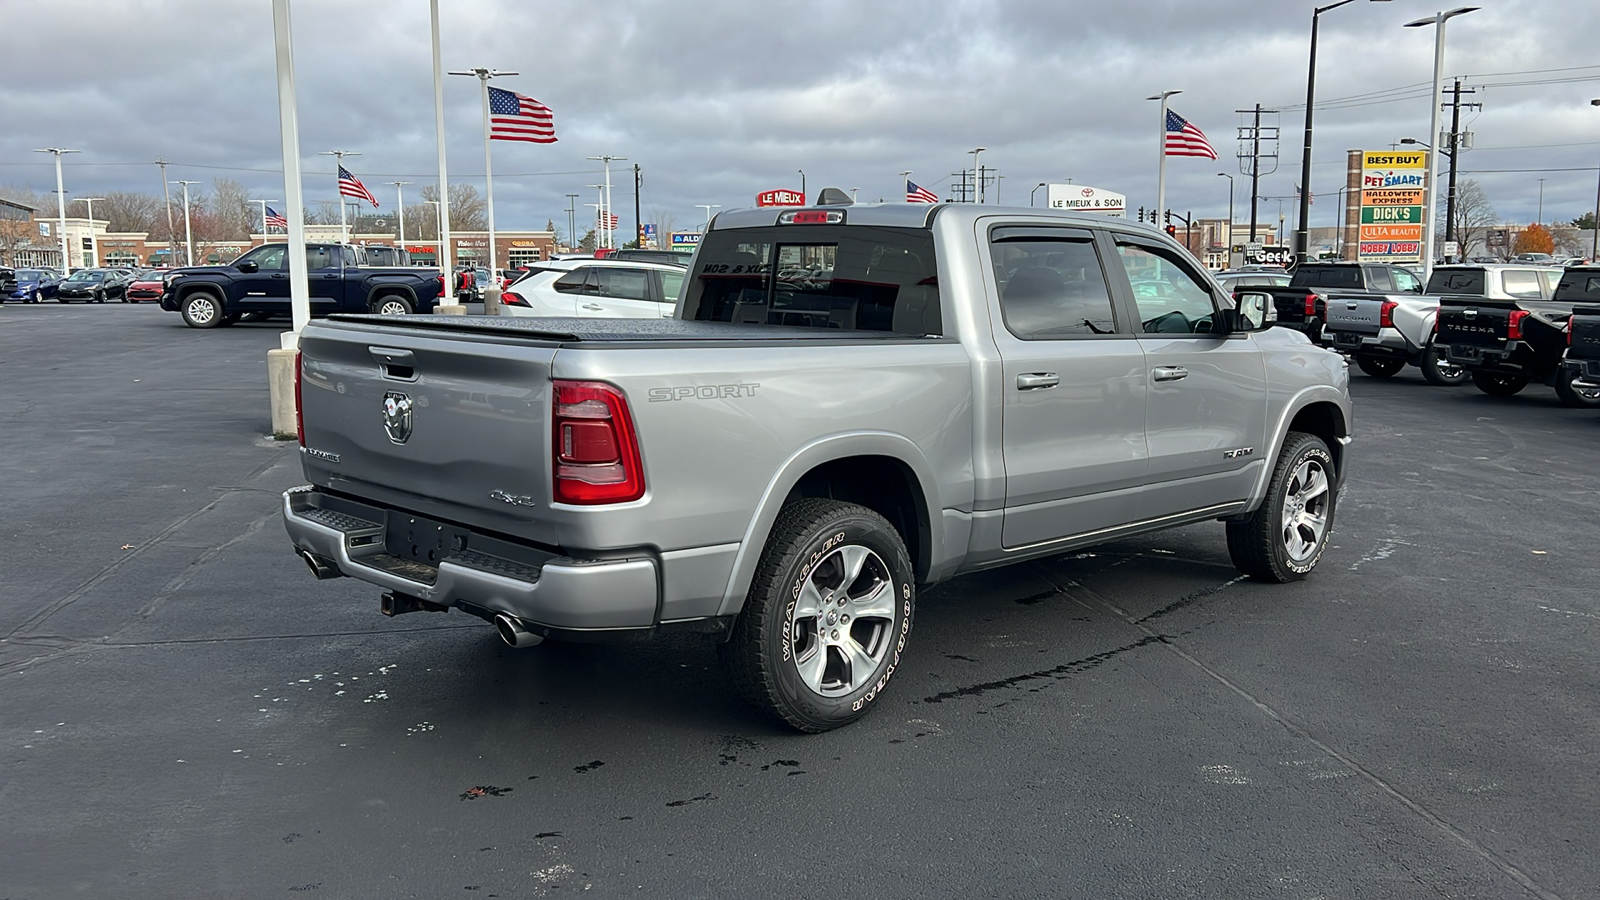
[1082, 198]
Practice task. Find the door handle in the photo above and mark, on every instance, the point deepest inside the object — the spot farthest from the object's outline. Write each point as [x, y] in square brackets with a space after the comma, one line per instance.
[594, 306]
[1170, 373]
[1037, 381]
[330, 275]
[280, 275]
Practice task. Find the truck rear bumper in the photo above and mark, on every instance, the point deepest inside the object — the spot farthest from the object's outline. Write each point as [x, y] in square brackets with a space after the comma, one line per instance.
[543, 590]
[1388, 342]
[1585, 372]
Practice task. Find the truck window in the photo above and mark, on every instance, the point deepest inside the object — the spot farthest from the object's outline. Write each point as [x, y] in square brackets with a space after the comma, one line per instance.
[1328, 277]
[1521, 284]
[318, 258]
[1456, 281]
[1578, 286]
[1405, 282]
[1171, 299]
[818, 276]
[272, 256]
[1052, 288]
[624, 284]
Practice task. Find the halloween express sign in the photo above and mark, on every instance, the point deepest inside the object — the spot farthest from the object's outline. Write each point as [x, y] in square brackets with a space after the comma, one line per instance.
[1393, 205]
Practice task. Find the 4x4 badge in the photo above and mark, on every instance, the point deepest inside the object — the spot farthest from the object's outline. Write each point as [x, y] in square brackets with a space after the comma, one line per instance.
[397, 416]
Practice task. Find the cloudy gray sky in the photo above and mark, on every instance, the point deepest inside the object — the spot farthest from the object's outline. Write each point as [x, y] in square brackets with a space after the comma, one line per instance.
[719, 99]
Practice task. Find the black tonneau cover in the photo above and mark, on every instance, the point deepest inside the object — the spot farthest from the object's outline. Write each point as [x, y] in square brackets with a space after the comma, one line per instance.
[572, 330]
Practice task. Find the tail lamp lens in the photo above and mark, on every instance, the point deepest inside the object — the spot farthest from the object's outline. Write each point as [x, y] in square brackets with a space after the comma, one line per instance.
[1514, 324]
[1386, 314]
[595, 450]
[1311, 304]
[299, 413]
[511, 298]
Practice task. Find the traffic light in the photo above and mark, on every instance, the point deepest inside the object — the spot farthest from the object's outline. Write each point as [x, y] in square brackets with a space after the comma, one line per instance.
[1169, 221]
[1172, 230]
[1141, 214]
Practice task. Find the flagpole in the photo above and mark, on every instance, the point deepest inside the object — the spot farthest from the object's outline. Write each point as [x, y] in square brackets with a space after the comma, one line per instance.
[445, 269]
[1161, 152]
[489, 309]
[338, 164]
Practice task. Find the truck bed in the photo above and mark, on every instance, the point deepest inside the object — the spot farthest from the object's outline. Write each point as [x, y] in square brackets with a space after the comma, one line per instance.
[598, 330]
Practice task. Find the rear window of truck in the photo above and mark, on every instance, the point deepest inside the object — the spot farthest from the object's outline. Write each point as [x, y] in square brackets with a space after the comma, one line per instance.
[1573, 286]
[1328, 277]
[1456, 281]
[852, 277]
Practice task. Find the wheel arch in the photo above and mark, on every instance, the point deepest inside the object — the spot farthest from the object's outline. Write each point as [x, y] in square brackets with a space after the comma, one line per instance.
[381, 289]
[884, 472]
[1317, 411]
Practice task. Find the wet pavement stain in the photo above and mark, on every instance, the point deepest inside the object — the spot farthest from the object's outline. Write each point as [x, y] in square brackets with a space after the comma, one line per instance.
[547, 834]
[1031, 599]
[589, 767]
[790, 763]
[960, 657]
[693, 800]
[1187, 600]
[1053, 673]
[485, 790]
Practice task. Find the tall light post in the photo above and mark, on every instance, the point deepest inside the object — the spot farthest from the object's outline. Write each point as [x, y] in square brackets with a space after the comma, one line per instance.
[1302, 234]
[977, 173]
[1437, 20]
[1161, 151]
[61, 205]
[438, 232]
[605, 213]
[1230, 213]
[491, 295]
[188, 231]
[1035, 191]
[1594, 236]
[1540, 219]
[400, 207]
[443, 209]
[293, 193]
[802, 181]
[708, 207]
[339, 155]
[94, 245]
[572, 222]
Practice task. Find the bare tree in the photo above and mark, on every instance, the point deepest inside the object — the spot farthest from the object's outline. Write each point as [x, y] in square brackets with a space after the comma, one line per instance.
[326, 212]
[130, 211]
[230, 204]
[467, 211]
[15, 235]
[1474, 216]
[422, 222]
[665, 224]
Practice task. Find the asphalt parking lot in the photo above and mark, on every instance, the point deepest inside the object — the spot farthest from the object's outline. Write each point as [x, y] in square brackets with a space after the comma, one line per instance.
[184, 711]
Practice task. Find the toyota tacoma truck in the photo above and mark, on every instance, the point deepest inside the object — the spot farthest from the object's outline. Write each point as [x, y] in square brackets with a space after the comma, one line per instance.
[1506, 344]
[1303, 303]
[257, 284]
[1582, 357]
[1384, 332]
[851, 403]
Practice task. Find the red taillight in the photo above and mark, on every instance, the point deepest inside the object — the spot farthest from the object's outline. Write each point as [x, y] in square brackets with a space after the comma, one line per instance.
[1386, 314]
[595, 452]
[1514, 324]
[1311, 304]
[299, 418]
[513, 299]
[443, 286]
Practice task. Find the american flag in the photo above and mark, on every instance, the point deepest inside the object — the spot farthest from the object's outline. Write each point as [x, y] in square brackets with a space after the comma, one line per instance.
[609, 223]
[1310, 197]
[351, 186]
[915, 193]
[1184, 139]
[516, 117]
[275, 219]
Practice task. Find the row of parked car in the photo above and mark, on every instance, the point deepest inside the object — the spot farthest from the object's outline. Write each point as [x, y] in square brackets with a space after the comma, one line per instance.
[624, 284]
[97, 285]
[1501, 326]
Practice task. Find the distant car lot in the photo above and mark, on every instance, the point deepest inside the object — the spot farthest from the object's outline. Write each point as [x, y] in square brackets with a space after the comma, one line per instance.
[178, 693]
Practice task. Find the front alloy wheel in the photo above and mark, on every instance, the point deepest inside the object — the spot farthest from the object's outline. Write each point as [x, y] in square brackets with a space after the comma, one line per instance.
[1285, 537]
[392, 306]
[202, 310]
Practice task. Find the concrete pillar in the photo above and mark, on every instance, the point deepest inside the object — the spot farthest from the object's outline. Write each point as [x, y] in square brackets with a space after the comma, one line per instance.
[280, 387]
[449, 309]
[491, 300]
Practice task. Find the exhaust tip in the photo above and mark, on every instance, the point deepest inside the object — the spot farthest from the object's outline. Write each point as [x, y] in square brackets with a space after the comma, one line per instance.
[514, 634]
[319, 566]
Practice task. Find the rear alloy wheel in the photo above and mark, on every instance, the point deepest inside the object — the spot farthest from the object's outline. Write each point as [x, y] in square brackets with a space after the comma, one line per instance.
[202, 310]
[1283, 539]
[1573, 396]
[391, 306]
[827, 616]
[1439, 371]
[1380, 366]
[1499, 384]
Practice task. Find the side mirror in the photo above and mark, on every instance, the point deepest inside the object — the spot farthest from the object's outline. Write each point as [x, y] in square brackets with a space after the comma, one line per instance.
[1253, 311]
[248, 267]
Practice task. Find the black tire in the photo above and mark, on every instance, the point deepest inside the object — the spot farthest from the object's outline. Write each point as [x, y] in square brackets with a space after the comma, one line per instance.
[1575, 397]
[202, 309]
[1438, 371]
[391, 305]
[1260, 545]
[1499, 384]
[1380, 366]
[34, 297]
[812, 543]
[99, 297]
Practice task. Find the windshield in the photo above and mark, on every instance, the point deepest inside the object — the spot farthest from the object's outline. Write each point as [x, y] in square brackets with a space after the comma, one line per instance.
[87, 276]
[818, 276]
[29, 275]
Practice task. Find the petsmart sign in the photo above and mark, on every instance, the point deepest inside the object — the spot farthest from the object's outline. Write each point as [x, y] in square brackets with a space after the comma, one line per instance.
[1082, 198]
[1393, 205]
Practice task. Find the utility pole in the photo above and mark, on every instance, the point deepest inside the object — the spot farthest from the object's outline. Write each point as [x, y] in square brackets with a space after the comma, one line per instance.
[638, 221]
[1455, 150]
[1254, 134]
[572, 222]
[166, 195]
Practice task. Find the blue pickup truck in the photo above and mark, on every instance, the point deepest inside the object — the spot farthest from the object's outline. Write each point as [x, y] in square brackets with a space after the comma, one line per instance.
[257, 284]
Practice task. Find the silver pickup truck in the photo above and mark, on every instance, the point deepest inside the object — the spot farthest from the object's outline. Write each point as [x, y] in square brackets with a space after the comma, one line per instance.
[852, 401]
[1385, 332]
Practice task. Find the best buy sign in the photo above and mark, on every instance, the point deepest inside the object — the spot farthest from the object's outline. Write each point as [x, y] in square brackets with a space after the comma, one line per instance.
[1391, 215]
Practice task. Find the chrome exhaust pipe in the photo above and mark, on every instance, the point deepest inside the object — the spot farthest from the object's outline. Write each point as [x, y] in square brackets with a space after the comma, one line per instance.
[320, 567]
[514, 634]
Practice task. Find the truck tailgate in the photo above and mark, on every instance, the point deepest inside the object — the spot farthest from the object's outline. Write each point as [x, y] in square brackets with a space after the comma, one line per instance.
[1354, 315]
[1473, 322]
[450, 425]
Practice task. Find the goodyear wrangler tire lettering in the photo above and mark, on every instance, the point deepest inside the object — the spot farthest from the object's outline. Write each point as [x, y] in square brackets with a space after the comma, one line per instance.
[827, 617]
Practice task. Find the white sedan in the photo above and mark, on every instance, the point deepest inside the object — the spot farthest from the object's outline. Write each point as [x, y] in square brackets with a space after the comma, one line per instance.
[596, 288]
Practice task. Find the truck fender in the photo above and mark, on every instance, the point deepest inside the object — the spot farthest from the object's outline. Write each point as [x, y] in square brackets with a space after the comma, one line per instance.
[389, 287]
[792, 469]
[1308, 396]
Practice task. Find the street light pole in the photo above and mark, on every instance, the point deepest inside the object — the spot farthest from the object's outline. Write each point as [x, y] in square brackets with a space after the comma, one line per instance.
[61, 206]
[1437, 20]
[263, 215]
[605, 212]
[1161, 151]
[188, 231]
[572, 222]
[802, 181]
[1230, 211]
[400, 207]
[339, 155]
[708, 207]
[977, 173]
[1594, 238]
[443, 208]
[94, 245]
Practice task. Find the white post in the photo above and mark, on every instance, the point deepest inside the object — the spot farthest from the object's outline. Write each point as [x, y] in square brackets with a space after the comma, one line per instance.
[263, 218]
[1435, 97]
[188, 230]
[400, 208]
[611, 240]
[61, 214]
[294, 200]
[488, 180]
[438, 126]
[1161, 153]
[94, 243]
